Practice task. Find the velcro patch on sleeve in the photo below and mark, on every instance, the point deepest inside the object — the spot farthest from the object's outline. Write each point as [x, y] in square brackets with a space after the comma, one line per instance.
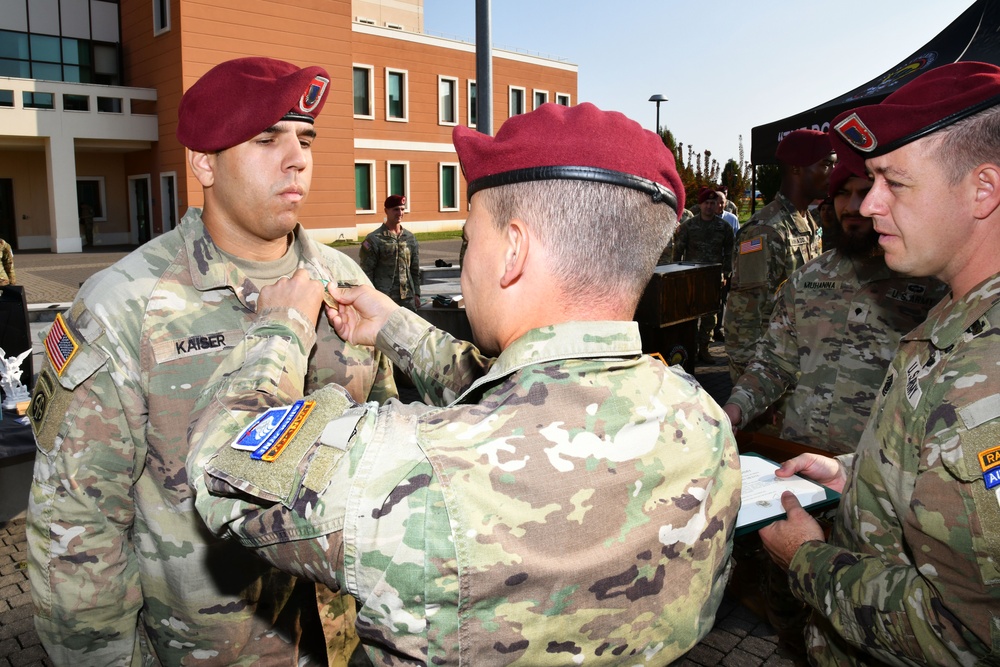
[756, 244]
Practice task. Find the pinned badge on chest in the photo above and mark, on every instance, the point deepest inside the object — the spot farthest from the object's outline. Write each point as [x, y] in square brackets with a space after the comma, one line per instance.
[270, 433]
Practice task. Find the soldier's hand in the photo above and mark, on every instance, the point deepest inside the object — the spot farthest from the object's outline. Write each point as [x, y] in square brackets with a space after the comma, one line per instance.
[735, 414]
[361, 313]
[820, 469]
[300, 292]
[782, 539]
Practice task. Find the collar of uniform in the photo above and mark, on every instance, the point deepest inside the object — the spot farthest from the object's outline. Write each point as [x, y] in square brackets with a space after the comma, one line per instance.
[567, 340]
[948, 320]
[209, 268]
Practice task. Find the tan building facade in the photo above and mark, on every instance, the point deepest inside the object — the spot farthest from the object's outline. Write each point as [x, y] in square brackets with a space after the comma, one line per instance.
[88, 110]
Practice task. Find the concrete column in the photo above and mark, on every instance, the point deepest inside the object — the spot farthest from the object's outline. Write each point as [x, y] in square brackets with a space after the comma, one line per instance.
[64, 215]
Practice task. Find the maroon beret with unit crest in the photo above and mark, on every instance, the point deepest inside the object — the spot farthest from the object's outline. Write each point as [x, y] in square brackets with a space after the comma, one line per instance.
[582, 143]
[930, 102]
[392, 201]
[238, 99]
[801, 148]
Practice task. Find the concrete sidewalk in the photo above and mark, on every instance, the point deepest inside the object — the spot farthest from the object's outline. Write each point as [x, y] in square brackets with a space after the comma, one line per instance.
[739, 639]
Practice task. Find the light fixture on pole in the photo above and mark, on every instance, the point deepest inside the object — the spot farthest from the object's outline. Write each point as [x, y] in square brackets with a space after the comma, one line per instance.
[658, 98]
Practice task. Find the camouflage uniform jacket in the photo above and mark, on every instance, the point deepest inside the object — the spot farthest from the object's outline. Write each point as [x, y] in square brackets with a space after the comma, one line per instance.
[392, 263]
[120, 564]
[575, 505]
[6, 264]
[911, 573]
[773, 243]
[709, 241]
[833, 332]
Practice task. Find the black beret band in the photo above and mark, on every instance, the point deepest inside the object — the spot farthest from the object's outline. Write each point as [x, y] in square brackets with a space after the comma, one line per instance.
[658, 192]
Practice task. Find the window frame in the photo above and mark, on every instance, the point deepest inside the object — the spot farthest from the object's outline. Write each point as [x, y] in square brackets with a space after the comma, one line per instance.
[389, 164]
[458, 187]
[510, 100]
[101, 195]
[564, 96]
[534, 98]
[453, 80]
[405, 118]
[371, 187]
[470, 102]
[168, 207]
[159, 29]
[371, 90]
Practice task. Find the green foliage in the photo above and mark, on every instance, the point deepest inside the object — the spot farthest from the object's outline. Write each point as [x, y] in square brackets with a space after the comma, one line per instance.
[698, 170]
[768, 181]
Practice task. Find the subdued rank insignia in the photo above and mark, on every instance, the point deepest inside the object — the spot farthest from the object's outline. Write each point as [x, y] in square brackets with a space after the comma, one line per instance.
[270, 433]
[60, 346]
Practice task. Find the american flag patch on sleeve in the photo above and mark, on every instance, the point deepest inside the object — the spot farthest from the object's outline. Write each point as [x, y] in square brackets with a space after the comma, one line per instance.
[60, 345]
[753, 245]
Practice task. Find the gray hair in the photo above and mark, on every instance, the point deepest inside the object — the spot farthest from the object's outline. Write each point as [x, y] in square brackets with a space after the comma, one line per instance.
[605, 239]
[970, 142]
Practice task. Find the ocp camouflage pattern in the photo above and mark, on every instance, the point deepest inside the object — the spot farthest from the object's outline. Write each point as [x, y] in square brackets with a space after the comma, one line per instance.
[574, 505]
[392, 263]
[911, 574]
[122, 569]
[833, 332]
[787, 241]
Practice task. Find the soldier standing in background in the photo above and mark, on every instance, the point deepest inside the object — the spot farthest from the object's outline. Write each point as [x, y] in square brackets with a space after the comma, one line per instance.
[834, 329]
[909, 575]
[778, 239]
[122, 569]
[390, 257]
[6, 264]
[706, 238]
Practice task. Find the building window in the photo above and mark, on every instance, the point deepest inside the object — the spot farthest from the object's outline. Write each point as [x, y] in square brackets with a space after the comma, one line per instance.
[541, 97]
[31, 100]
[447, 100]
[399, 180]
[363, 103]
[90, 191]
[448, 177]
[168, 199]
[50, 58]
[364, 187]
[395, 95]
[473, 110]
[161, 16]
[516, 101]
[563, 99]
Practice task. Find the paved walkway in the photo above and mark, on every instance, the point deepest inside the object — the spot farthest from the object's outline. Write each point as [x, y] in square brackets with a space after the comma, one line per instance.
[739, 639]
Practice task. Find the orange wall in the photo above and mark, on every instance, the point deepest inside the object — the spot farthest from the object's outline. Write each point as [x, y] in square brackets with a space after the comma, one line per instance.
[313, 32]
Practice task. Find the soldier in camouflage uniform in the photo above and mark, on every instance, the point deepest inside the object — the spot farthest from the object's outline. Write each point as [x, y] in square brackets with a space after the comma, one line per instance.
[709, 239]
[910, 573]
[6, 264]
[390, 257]
[572, 505]
[778, 239]
[122, 569]
[834, 331]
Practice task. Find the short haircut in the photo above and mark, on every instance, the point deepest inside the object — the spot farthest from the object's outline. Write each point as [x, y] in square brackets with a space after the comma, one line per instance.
[605, 238]
[969, 143]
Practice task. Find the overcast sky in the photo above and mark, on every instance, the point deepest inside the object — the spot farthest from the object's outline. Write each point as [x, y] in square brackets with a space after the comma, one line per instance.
[725, 66]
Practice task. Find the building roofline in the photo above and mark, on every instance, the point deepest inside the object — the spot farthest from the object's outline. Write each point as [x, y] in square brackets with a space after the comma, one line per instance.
[458, 45]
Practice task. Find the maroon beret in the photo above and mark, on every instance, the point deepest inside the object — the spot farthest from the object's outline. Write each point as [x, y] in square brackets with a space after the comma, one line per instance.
[705, 194]
[576, 143]
[392, 201]
[801, 148]
[236, 100]
[843, 172]
[930, 102]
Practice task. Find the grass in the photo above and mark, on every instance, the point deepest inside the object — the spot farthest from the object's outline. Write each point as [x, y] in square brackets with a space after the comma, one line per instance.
[421, 236]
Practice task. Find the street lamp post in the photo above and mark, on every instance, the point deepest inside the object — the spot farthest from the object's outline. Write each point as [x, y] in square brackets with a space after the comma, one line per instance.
[658, 98]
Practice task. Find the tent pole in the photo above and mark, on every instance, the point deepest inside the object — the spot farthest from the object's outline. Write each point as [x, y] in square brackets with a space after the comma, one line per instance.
[753, 189]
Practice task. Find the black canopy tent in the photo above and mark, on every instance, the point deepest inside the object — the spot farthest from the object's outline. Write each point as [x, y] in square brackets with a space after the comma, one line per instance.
[975, 35]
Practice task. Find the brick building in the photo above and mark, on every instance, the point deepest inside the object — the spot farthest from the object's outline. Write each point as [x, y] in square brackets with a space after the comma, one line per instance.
[88, 108]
